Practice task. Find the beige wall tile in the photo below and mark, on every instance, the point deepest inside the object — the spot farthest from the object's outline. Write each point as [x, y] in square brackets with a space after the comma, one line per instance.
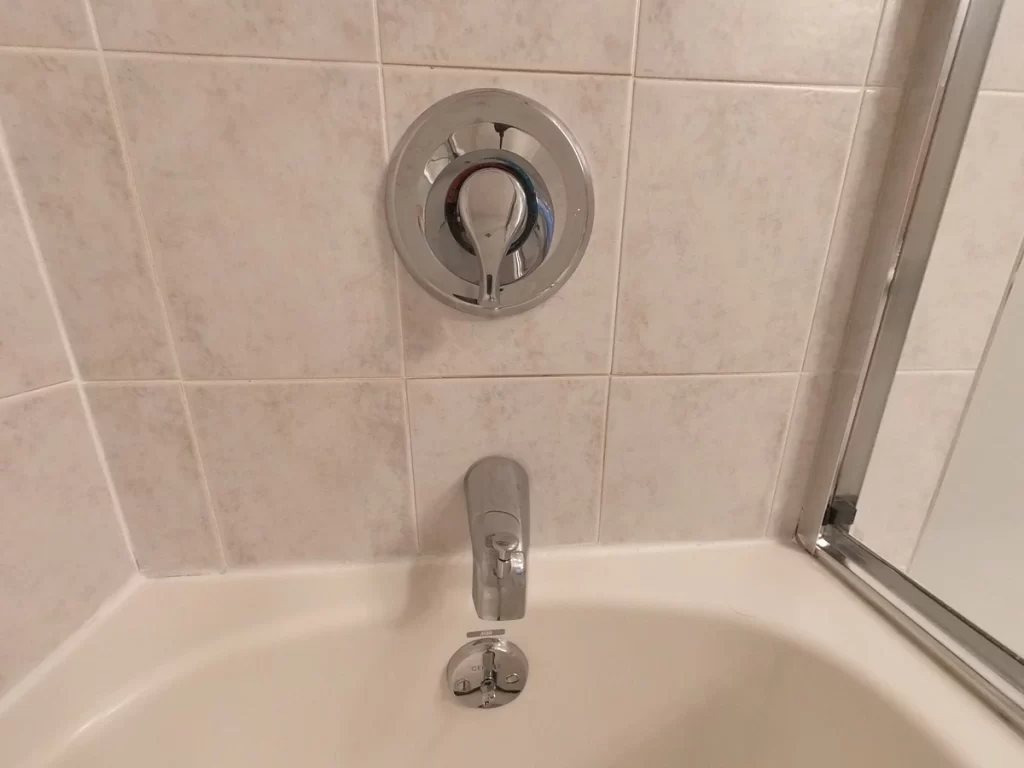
[553, 426]
[300, 29]
[693, 457]
[732, 191]
[31, 352]
[570, 333]
[793, 41]
[47, 23]
[798, 458]
[976, 244]
[917, 433]
[559, 35]
[261, 186]
[62, 551]
[68, 161]
[155, 469]
[1005, 70]
[307, 472]
[853, 225]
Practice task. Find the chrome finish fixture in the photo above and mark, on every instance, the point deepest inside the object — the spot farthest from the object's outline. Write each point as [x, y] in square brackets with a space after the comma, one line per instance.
[487, 673]
[498, 502]
[993, 672]
[490, 202]
[485, 196]
[922, 224]
[935, 116]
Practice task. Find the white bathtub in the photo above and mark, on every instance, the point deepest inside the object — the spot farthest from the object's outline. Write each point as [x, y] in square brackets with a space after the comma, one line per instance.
[725, 655]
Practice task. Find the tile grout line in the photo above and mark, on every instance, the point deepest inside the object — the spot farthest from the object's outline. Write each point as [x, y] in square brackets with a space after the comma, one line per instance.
[842, 184]
[471, 377]
[7, 159]
[874, 46]
[604, 459]
[193, 436]
[406, 408]
[805, 375]
[787, 436]
[814, 312]
[630, 100]
[407, 416]
[282, 60]
[635, 52]
[386, 149]
[1004, 92]
[936, 371]
[156, 281]
[13, 396]
[44, 50]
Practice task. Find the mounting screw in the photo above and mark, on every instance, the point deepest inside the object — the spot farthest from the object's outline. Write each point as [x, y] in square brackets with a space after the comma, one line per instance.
[462, 686]
[512, 678]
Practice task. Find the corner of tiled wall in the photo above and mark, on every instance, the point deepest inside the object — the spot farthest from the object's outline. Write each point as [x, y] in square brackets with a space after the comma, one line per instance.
[976, 247]
[269, 386]
[63, 546]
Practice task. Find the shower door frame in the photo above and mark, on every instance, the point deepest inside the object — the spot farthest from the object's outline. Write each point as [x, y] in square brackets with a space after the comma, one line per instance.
[947, 90]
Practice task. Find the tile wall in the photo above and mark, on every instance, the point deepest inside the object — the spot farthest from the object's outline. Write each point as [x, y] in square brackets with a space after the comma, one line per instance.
[63, 549]
[200, 184]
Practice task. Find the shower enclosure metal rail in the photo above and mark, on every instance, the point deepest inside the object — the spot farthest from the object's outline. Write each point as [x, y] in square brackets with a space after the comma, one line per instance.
[947, 66]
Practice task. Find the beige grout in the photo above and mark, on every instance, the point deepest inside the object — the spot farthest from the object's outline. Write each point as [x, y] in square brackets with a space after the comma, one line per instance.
[874, 44]
[769, 84]
[407, 417]
[766, 84]
[1004, 92]
[386, 149]
[604, 459]
[6, 159]
[635, 52]
[814, 311]
[618, 271]
[446, 377]
[934, 371]
[39, 50]
[406, 409]
[42, 388]
[155, 276]
[285, 61]
[204, 481]
[230, 58]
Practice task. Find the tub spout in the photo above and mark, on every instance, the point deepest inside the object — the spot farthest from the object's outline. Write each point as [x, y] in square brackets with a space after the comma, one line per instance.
[498, 503]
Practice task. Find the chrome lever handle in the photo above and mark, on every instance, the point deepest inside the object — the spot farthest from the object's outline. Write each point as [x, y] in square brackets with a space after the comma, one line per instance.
[492, 206]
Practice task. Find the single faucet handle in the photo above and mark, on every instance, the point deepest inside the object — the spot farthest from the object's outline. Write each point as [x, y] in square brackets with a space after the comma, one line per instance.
[493, 209]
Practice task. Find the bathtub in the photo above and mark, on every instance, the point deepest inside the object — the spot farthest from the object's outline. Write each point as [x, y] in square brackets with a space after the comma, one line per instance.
[746, 654]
